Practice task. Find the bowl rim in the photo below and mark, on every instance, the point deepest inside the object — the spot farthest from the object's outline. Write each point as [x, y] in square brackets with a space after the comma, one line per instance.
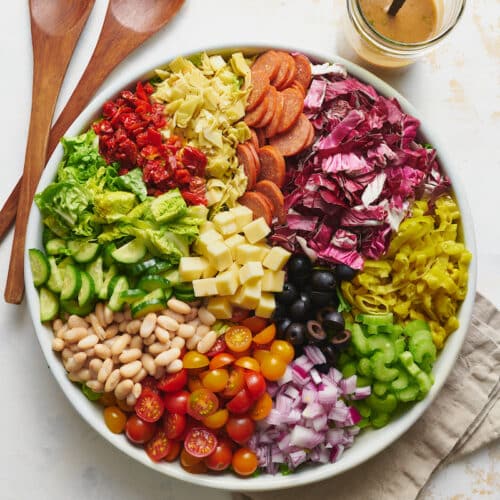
[352, 458]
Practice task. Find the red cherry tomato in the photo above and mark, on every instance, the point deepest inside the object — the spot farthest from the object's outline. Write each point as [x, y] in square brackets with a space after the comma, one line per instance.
[221, 457]
[200, 442]
[138, 431]
[239, 315]
[149, 406]
[235, 383]
[174, 425]
[256, 384]
[240, 429]
[244, 462]
[202, 403]
[255, 324]
[221, 360]
[158, 447]
[172, 382]
[218, 347]
[176, 402]
[175, 449]
[241, 403]
[150, 383]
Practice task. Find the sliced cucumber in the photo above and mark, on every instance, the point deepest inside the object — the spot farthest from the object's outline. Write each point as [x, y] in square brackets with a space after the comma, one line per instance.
[151, 282]
[130, 253]
[47, 235]
[72, 281]
[160, 267]
[142, 267]
[87, 290]
[40, 268]
[55, 280]
[56, 246]
[72, 307]
[185, 297]
[184, 287]
[172, 276]
[96, 272]
[110, 274]
[107, 254]
[49, 304]
[132, 295]
[83, 251]
[146, 306]
[116, 286]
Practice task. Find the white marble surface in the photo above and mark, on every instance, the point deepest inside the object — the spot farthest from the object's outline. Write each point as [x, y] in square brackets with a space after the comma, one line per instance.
[47, 451]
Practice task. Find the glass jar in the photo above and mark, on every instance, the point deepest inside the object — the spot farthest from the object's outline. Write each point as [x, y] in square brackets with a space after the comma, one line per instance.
[379, 50]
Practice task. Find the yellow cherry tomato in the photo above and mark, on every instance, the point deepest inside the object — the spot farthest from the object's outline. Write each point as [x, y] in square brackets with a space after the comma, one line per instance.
[215, 380]
[265, 336]
[273, 367]
[115, 419]
[262, 407]
[194, 359]
[217, 419]
[248, 363]
[283, 349]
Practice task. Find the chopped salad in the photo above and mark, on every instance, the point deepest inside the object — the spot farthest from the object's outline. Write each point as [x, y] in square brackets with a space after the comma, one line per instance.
[248, 260]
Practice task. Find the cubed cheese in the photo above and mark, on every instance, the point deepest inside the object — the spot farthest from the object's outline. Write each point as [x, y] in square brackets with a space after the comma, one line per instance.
[250, 271]
[273, 281]
[205, 287]
[264, 251]
[191, 268]
[242, 215]
[206, 226]
[228, 281]
[205, 240]
[220, 307]
[257, 230]
[210, 271]
[219, 255]
[225, 223]
[266, 306]
[276, 258]
[246, 253]
[248, 295]
[233, 242]
[213, 196]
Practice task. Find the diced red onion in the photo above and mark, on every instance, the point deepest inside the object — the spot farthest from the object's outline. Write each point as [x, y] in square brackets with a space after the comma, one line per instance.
[313, 410]
[304, 362]
[361, 392]
[272, 388]
[315, 355]
[292, 392]
[320, 423]
[336, 453]
[309, 395]
[335, 375]
[327, 394]
[335, 436]
[300, 376]
[316, 377]
[348, 385]
[338, 414]
[305, 438]
[287, 376]
[283, 404]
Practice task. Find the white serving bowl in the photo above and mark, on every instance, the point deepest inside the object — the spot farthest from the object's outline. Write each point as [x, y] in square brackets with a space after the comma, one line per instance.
[366, 445]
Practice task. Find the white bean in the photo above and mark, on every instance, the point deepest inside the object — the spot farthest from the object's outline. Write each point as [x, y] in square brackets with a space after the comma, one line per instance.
[75, 321]
[62, 331]
[57, 344]
[102, 351]
[74, 348]
[95, 386]
[178, 342]
[191, 315]
[112, 381]
[136, 391]
[136, 342]
[90, 352]
[171, 314]
[148, 325]
[202, 330]
[76, 362]
[131, 400]
[156, 348]
[165, 358]
[140, 376]
[162, 335]
[178, 306]
[105, 370]
[129, 355]
[194, 322]
[134, 326]
[96, 325]
[149, 363]
[99, 313]
[168, 323]
[74, 377]
[108, 315]
[193, 342]
[127, 315]
[186, 331]
[76, 334]
[120, 344]
[57, 324]
[175, 366]
[206, 343]
[130, 370]
[95, 365]
[118, 317]
[111, 331]
[66, 354]
[206, 317]
[149, 340]
[84, 374]
[88, 342]
[123, 389]
[122, 327]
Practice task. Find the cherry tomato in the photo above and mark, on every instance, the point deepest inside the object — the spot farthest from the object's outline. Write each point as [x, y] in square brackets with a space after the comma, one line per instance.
[216, 420]
[241, 403]
[122, 404]
[176, 402]
[248, 363]
[199, 468]
[283, 349]
[202, 403]
[273, 367]
[254, 323]
[108, 399]
[244, 462]
[262, 407]
[188, 460]
[235, 383]
[260, 355]
[240, 429]
[265, 336]
[220, 360]
[175, 449]
[194, 359]
[149, 406]
[239, 314]
[221, 457]
[218, 347]
[158, 447]
[138, 431]
[215, 380]
[174, 425]
[150, 382]
[172, 382]
[194, 383]
[238, 338]
[256, 384]
[200, 442]
[115, 419]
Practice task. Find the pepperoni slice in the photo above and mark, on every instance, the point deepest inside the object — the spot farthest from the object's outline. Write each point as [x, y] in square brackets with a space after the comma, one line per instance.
[303, 70]
[246, 159]
[260, 86]
[272, 165]
[255, 155]
[290, 76]
[261, 137]
[310, 139]
[258, 204]
[298, 86]
[293, 104]
[271, 129]
[275, 196]
[268, 62]
[286, 63]
[272, 98]
[254, 139]
[292, 141]
[255, 116]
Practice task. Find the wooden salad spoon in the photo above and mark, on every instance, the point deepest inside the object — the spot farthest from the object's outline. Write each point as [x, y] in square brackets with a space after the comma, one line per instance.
[55, 29]
[128, 24]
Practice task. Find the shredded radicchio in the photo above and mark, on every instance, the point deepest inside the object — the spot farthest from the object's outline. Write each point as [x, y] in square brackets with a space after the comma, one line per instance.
[351, 191]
